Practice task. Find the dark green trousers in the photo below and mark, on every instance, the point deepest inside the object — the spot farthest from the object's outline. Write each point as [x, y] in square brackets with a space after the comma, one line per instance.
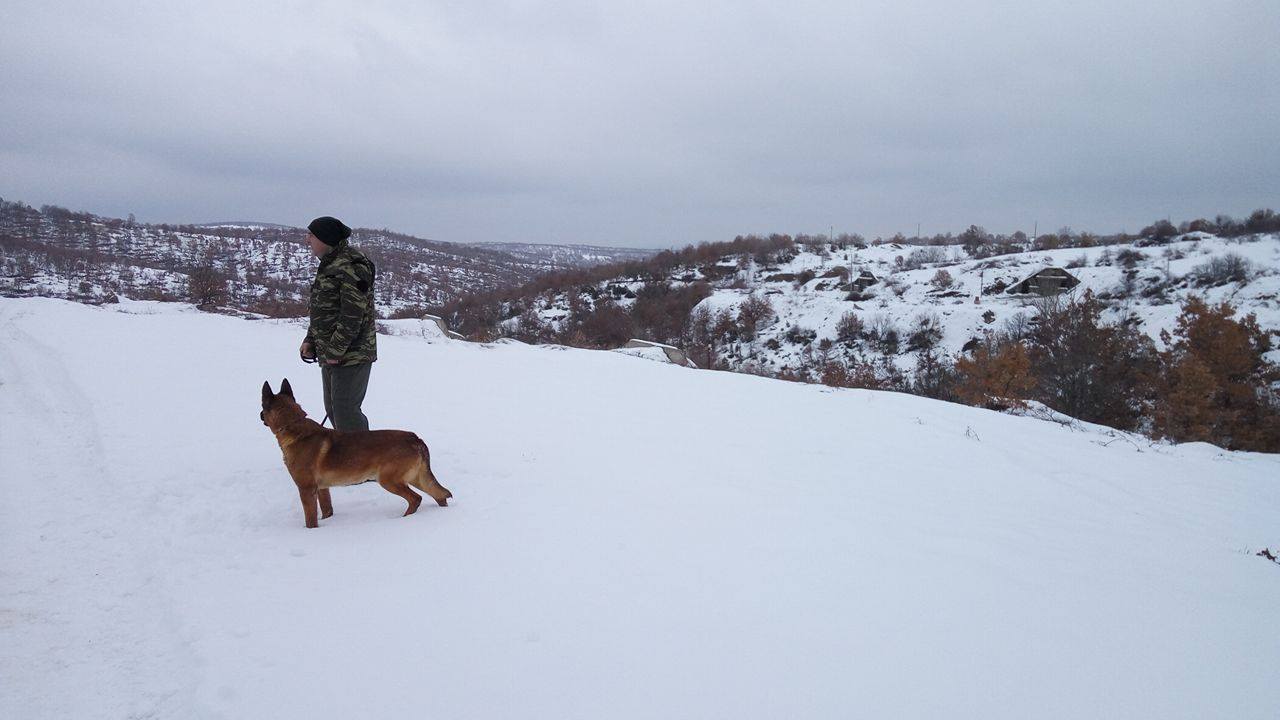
[344, 388]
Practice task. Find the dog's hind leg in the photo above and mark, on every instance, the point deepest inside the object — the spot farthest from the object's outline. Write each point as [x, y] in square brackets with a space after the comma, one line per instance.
[326, 503]
[426, 481]
[397, 485]
[308, 496]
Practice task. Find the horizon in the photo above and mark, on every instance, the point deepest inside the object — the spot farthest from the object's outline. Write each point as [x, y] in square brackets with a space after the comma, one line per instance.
[909, 239]
[656, 126]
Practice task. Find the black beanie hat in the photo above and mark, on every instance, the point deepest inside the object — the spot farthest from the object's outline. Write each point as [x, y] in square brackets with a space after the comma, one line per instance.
[329, 230]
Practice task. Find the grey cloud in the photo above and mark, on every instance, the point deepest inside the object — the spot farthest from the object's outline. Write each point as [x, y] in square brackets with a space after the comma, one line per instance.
[644, 124]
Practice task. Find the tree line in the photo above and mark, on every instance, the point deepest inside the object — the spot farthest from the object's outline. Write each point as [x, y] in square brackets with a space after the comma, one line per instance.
[1210, 382]
[266, 270]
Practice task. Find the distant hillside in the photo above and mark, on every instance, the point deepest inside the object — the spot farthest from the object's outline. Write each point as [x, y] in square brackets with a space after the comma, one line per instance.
[947, 320]
[254, 266]
[569, 255]
[806, 283]
[245, 224]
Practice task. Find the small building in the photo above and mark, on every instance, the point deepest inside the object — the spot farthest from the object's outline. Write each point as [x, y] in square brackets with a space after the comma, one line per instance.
[1045, 282]
[864, 280]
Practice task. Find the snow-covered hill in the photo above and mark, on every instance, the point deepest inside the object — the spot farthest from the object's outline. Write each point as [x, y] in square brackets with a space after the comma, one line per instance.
[941, 287]
[264, 267]
[628, 539]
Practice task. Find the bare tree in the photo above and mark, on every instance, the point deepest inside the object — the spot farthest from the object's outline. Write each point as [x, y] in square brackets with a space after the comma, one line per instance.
[754, 313]
[206, 286]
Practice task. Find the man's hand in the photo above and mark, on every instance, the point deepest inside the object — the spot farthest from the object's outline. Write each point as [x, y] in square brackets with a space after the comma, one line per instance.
[307, 352]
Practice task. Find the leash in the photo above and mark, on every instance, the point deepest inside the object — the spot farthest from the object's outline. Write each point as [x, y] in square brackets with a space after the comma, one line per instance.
[311, 361]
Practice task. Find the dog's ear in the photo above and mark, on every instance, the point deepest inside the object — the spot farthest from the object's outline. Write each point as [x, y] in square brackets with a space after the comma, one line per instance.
[285, 389]
[266, 392]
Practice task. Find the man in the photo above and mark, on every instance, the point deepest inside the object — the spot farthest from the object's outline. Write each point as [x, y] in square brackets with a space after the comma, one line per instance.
[342, 335]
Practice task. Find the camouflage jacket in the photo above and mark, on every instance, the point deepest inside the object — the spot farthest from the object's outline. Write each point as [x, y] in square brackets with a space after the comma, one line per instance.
[342, 324]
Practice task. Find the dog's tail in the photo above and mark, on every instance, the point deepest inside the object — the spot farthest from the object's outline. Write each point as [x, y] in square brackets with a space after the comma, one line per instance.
[425, 480]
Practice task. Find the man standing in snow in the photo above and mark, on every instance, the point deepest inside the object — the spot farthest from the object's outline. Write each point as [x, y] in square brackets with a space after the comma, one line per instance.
[342, 336]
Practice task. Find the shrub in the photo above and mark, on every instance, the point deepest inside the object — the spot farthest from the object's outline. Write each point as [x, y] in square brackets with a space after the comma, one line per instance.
[1047, 241]
[1159, 231]
[1202, 225]
[896, 286]
[923, 256]
[661, 310]
[934, 377]
[861, 373]
[804, 276]
[1087, 369]
[1129, 257]
[941, 280]
[273, 305]
[995, 288]
[206, 287]
[883, 335]
[754, 313]
[1264, 220]
[531, 328]
[973, 240]
[1185, 409]
[1156, 290]
[925, 333]
[1222, 270]
[849, 329]
[606, 326]
[994, 376]
[1217, 384]
[797, 335]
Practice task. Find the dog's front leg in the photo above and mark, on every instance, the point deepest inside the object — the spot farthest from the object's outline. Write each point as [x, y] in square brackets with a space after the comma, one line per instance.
[309, 497]
[326, 503]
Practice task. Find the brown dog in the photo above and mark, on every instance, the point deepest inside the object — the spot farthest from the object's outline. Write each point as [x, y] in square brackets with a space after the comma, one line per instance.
[319, 458]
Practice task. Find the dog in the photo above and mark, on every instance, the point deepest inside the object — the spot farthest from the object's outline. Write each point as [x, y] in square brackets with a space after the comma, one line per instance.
[319, 458]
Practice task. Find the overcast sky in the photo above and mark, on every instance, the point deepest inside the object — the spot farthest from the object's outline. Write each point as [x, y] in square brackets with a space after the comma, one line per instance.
[644, 124]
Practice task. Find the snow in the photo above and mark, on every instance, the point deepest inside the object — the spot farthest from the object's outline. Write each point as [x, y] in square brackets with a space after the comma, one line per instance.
[426, 328]
[627, 539]
[819, 304]
[653, 352]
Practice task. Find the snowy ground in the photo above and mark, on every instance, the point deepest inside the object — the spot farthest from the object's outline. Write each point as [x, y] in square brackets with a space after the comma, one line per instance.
[629, 539]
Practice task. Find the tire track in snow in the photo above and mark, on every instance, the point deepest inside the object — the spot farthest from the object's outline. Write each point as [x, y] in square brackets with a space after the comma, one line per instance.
[78, 614]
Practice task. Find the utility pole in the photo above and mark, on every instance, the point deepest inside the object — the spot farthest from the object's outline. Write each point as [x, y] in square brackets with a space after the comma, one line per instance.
[849, 251]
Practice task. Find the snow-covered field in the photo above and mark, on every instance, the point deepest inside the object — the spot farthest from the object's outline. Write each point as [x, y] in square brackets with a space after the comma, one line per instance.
[629, 539]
